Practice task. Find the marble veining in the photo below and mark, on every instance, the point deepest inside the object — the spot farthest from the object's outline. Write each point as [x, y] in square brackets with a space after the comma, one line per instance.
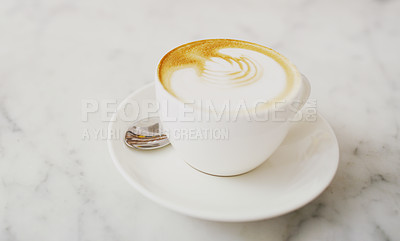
[58, 184]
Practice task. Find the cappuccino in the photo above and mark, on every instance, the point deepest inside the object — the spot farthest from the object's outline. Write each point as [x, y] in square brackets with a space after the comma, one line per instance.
[233, 71]
[223, 69]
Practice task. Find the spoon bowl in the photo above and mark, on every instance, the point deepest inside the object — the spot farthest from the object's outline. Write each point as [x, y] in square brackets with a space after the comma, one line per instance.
[146, 134]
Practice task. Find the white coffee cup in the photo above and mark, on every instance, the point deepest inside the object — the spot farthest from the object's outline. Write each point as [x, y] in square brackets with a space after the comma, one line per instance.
[237, 141]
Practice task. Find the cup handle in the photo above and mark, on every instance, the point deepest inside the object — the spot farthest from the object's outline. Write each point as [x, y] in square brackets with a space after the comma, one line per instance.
[304, 93]
[301, 99]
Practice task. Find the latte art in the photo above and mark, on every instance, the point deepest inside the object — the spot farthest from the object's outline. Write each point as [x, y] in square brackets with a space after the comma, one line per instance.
[231, 72]
[225, 69]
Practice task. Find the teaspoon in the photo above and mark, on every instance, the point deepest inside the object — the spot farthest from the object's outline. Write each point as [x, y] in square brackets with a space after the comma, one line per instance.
[146, 134]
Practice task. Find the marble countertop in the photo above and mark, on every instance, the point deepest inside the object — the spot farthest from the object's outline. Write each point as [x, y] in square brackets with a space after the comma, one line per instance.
[57, 179]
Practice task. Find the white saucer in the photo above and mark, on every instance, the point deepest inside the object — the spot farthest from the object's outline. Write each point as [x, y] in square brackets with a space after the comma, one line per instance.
[298, 172]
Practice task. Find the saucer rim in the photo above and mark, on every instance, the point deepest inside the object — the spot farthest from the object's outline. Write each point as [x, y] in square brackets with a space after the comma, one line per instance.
[207, 215]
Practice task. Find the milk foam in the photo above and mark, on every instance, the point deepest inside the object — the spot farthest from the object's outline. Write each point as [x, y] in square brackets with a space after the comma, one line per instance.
[228, 73]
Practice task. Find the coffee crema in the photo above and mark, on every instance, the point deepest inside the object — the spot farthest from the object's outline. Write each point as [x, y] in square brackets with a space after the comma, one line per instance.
[226, 69]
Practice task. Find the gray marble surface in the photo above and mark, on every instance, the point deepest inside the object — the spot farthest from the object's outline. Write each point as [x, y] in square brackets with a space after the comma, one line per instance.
[57, 185]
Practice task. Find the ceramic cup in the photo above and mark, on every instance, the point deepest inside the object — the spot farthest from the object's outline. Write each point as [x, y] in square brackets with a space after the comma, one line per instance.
[227, 143]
